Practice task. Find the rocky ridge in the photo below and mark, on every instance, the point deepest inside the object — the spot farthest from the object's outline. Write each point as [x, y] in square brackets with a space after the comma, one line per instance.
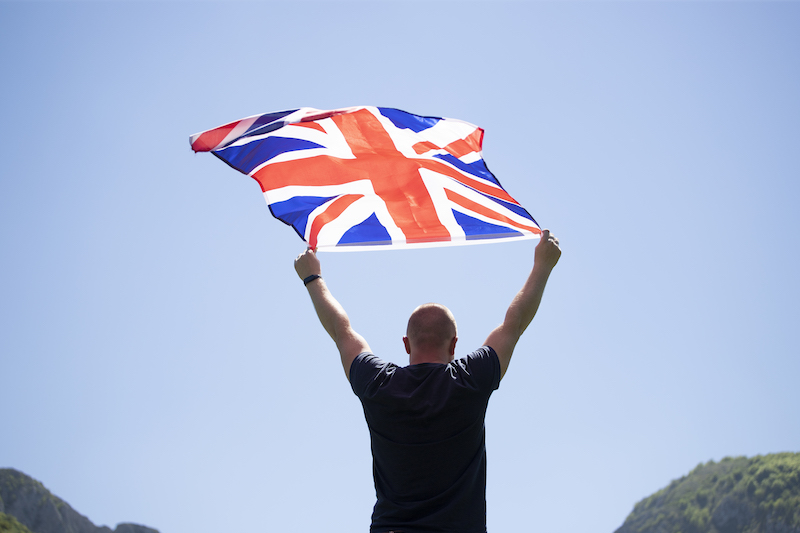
[27, 503]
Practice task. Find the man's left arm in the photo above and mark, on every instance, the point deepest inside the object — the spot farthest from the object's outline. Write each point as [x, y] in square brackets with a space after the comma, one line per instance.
[331, 314]
[525, 304]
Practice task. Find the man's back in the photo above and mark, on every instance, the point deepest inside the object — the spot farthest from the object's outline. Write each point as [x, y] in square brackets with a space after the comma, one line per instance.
[428, 442]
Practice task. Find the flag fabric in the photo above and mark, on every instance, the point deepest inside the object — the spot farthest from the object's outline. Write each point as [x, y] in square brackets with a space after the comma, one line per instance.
[371, 177]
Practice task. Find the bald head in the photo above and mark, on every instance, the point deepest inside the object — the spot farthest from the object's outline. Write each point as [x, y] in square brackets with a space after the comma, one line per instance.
[431, 327]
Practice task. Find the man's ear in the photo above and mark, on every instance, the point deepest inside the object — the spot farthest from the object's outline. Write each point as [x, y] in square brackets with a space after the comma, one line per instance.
[453, 346]
[407, 345]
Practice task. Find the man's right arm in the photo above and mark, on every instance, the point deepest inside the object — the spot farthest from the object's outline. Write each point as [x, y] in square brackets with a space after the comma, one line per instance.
[525, 304]
[331, 314]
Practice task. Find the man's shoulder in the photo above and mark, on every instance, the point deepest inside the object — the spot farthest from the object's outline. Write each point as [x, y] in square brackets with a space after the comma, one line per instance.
[365, 368]
[482, 364]
[484, 354]
[368, 359]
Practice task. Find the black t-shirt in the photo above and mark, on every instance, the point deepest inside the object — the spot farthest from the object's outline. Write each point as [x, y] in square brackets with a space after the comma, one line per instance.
[426, 424]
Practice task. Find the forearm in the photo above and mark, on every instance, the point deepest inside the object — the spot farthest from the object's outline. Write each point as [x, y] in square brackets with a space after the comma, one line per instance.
[526, 303]
[330, 312]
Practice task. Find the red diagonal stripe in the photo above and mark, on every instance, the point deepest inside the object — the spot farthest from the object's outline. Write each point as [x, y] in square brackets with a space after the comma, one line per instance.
[312, 125]
[463, 147]
[424, 146]
[479, 185]
[209, 140]
[485, 211]
[335, 209]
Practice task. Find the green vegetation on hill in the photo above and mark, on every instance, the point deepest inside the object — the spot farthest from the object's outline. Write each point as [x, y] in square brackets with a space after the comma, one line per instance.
[736, 495]
[9, 524]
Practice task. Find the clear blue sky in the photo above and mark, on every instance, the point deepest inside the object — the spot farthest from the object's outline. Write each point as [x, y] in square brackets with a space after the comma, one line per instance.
[160, 362]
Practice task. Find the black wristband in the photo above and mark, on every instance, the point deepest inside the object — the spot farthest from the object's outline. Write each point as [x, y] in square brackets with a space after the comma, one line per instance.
[311, 278]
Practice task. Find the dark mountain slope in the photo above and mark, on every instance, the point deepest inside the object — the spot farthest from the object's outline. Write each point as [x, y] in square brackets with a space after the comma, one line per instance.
[26, 506]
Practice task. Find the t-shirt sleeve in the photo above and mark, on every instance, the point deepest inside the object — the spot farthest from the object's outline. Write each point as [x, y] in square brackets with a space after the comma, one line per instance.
[484, 366]
[363, 371]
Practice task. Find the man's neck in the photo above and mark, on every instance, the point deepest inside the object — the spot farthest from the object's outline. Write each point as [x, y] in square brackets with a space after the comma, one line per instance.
[441, 358]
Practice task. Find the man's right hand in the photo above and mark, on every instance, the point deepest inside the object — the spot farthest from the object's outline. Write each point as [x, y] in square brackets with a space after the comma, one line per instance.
[547, 251]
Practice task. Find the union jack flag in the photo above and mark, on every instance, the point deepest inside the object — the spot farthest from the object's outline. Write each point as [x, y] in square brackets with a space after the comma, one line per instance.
[371, 177]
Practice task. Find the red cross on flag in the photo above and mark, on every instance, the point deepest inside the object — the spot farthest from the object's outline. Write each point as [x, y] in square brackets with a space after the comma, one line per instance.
[371, 178]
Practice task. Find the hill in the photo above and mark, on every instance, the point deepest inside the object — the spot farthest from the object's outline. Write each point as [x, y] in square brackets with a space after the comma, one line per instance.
[26, 506]
[735, 495]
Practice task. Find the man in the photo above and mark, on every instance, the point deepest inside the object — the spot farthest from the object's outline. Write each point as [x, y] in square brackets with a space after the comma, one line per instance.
[426, 420]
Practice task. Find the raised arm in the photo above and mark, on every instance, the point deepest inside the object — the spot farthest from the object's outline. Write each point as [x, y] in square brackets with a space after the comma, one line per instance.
[525, 304]
[330, 312]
